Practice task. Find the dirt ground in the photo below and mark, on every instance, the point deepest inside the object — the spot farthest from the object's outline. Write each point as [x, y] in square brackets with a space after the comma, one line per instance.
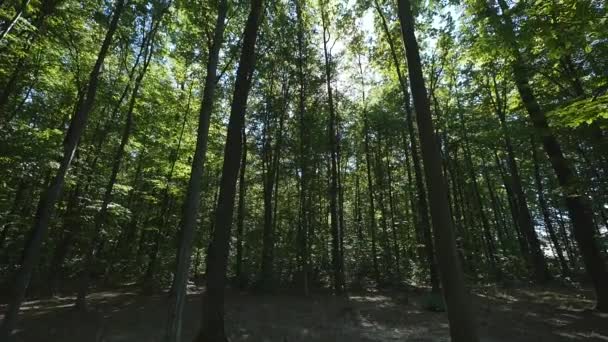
[523, 314]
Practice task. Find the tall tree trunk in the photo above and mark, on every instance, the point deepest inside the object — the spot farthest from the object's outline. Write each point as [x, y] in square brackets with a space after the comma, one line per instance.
[304, 143]
[370, 191]
[497, 210]
[391, 204]
[129, 232]
[212, 323]
[240, 218]
[165, 210]
[580, 210]
[544, 208]
[91, 256]
[424, 221]
[192, 200]
[337, 275]
[460, 311]
[66, 239]
[566, 239]
[48, 199]
[386, 248]
[271, 175]
[535, 256]
[487, 235]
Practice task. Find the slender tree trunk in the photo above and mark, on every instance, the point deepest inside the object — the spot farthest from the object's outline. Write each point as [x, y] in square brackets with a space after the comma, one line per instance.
[523, 244]
[370, 190]
[272, 158]
[192, 200]
[212, 324]
[545, 211]
[129, 232]
[49, 198]
[487, 234]
[424, 221]
[338, 275]
[165, 210]
[499, 219]
[240, 219]
[91, 256]
[535, 256]
[19, 12]
[66, 239]
[460, 312]
[391, 204]
[566, 239]
[302, 234]
[386, 248]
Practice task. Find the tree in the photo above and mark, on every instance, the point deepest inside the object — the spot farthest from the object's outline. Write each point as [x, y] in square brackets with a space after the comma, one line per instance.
[212, 323]
[460, 313]
[191, 203]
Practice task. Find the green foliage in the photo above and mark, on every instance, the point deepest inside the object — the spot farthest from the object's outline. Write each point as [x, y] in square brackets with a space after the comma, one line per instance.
[583, 112]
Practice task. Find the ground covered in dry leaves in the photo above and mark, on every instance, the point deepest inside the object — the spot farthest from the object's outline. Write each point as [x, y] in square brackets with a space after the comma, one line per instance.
[523, 314]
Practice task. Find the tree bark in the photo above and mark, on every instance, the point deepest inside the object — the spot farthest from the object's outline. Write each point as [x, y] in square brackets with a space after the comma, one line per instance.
[191, 202]
[460, 312]
[271, 176]
[424, 221]
[212, 323]
[337, 275]
[240, 219]
[370, 191]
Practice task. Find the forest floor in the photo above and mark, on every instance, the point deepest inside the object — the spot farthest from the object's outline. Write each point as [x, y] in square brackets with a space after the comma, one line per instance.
[517, 314]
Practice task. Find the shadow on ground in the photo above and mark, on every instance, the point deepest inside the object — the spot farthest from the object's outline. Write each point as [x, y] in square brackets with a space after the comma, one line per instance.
[504, 315]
